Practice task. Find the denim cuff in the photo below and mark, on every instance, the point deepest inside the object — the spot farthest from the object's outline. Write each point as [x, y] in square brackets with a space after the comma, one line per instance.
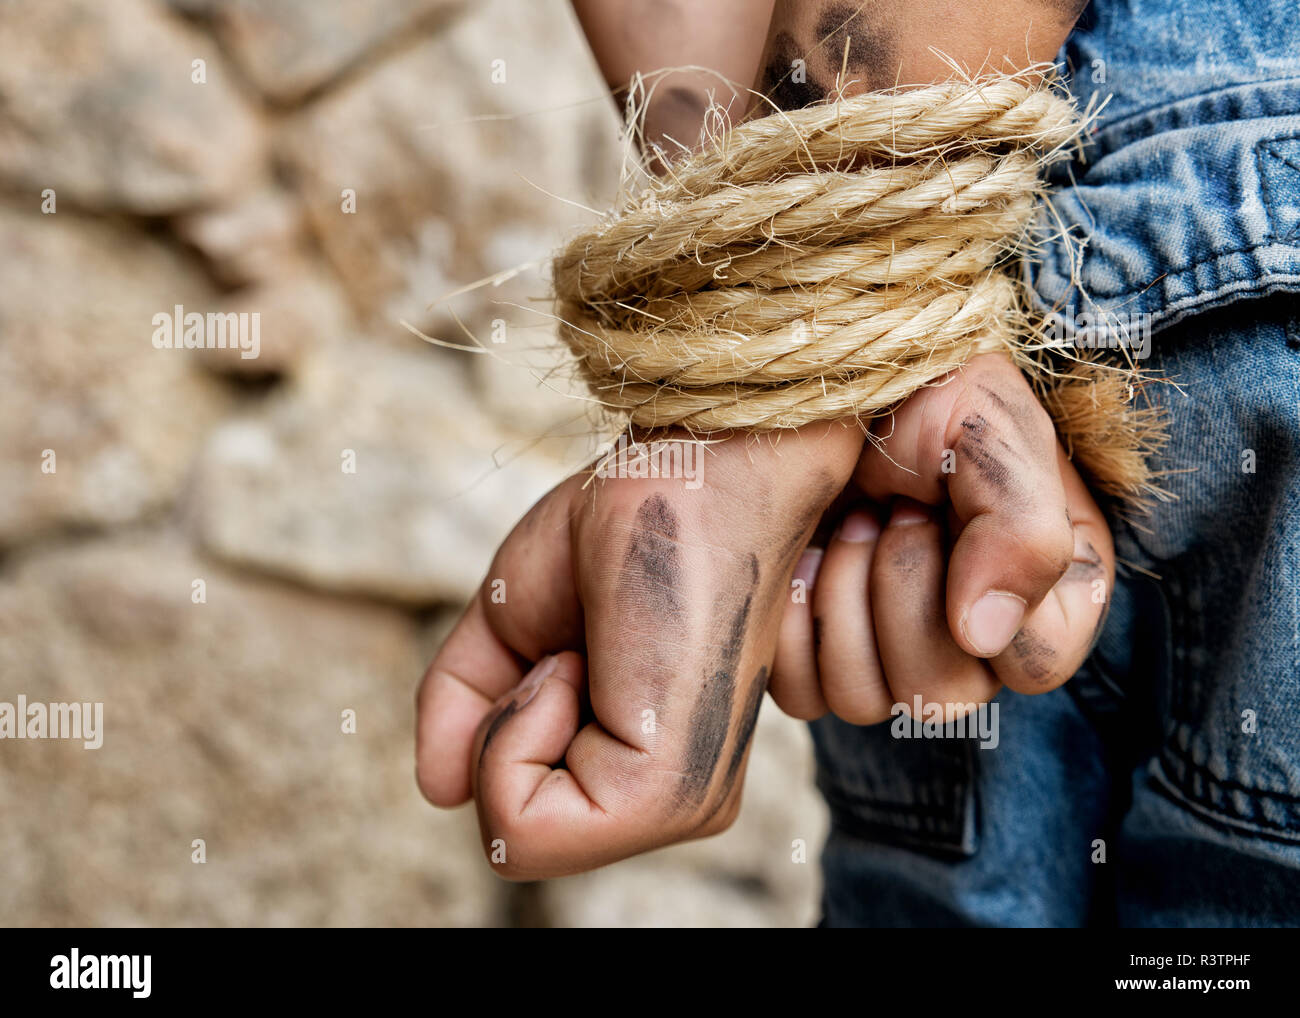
[1186, 206]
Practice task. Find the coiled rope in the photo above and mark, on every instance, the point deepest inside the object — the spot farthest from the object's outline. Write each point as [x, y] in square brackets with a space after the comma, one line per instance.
[828, 262]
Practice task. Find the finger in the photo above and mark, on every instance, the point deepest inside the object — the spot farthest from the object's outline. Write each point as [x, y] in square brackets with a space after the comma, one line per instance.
[1060, 633]
[852, 681]
[470, 672]
[795, 686]
[917, 650]
[535, 818]
[525, 608]
[982, 441]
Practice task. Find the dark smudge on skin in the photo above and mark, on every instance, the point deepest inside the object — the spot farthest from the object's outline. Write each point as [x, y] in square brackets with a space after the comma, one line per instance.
[651, 577]
[748, 721]
[908, 560]
[653, 556]
[709, 722]
[1085, 570]
[1036, 656]
[778, 72]
[1027, 417]
[1002, 404]
[686, 101]
[798, 538]
[974, 445]
[871, 51]
[1019, 413]
[497, 723]
[711, 716]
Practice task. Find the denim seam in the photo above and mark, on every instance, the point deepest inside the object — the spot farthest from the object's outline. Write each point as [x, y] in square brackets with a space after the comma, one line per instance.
[940, 826]
[1098, 140]
[1185, 708]
[1176, 311]
[1226, 784]
[1242, 285]
[934, 833]
[943, 812]
[1181, 797]
[1262, 146]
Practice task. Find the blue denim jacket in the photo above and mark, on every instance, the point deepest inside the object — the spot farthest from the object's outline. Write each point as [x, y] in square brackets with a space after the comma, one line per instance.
[1161, 786]
[1190, 193]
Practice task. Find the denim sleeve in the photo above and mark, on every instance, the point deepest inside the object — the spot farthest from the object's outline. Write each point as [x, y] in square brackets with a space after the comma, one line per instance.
[1188, 190]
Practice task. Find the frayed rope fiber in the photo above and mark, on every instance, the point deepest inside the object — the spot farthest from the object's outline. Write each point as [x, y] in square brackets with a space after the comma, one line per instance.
[828, 262]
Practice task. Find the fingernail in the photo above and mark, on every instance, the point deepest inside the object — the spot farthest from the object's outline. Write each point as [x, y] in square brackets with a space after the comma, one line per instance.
[806, 569]
[993, 620]
[906, 513]
[533, 681]
[858, 528]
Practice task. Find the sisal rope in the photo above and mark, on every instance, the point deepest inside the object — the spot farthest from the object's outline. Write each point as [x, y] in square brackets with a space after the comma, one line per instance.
[828, 262]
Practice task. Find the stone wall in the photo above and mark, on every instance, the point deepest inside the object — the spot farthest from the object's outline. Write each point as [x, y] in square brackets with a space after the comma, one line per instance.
[181, 536]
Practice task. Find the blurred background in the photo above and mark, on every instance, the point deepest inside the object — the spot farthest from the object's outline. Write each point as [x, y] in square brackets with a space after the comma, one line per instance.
[181, 536]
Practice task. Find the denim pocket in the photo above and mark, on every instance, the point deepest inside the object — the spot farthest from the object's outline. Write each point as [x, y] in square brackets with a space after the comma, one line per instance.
[1226, 550]
[912, 793]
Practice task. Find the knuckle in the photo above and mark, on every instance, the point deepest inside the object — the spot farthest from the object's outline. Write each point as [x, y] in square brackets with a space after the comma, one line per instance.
[503, 857]
[1048, 548]
[426, 781]
[1043, 429]
[854, 707]
[496, 820]
[804, 710]
[797, 695]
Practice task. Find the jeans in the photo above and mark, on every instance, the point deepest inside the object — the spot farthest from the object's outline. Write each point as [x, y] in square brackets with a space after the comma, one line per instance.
[1161, 785]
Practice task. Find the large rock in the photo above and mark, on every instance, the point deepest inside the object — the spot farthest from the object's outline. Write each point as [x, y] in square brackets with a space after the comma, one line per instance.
[288, 48]
[457, 177]
[252, 238]
[97, 427]
[97, 102]
[747, 876]
[300, 309]
[436, 485]
[222, 721]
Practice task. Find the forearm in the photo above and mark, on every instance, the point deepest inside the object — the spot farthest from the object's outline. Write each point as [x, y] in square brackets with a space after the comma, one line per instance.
[721, 41]
[813, 46]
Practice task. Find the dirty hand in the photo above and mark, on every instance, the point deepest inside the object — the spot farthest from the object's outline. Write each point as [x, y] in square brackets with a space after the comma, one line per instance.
[674, 593]
[973, 558]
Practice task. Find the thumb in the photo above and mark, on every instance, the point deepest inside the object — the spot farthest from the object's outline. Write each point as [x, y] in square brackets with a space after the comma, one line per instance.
[537, 819]
[983, 443]
[527, 732]
[525, 609]
[1016, 538]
